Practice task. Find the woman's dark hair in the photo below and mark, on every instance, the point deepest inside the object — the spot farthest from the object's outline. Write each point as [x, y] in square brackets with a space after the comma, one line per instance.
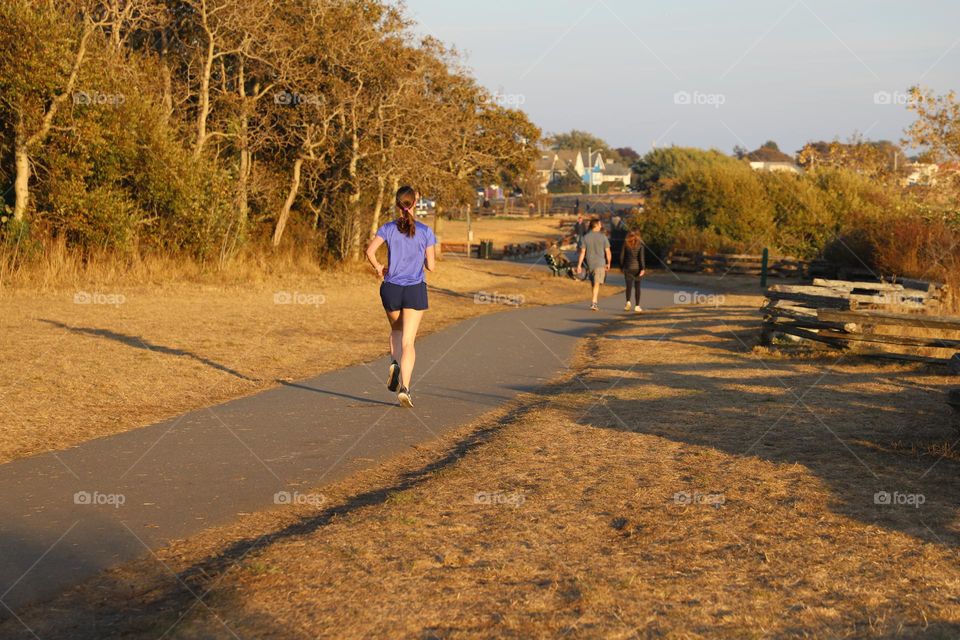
[634, 239]
[406, 201]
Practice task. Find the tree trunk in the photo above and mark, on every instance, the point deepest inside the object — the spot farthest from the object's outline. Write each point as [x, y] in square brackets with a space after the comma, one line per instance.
[354, 248]
[436, 220]
[204, 113]
[21, 183]
[167, 99]
[243, 187]
[378, 206]
[288, 205]
[246, 160]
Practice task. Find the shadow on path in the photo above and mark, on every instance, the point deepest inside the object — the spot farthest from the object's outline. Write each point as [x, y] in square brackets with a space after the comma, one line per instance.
[184, 591]
[327, 392]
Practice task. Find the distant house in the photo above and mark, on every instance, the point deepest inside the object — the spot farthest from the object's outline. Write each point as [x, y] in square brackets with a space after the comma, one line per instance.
[544, 168]
[616, 172]
[772, 159]
[928, 173]
[593, 170]
[775, 166]
[921, 173]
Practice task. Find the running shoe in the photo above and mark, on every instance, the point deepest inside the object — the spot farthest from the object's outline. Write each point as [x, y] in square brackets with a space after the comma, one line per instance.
[638, 309]
[393, 378]
[594, 307]
[405, 398]
[628, 307]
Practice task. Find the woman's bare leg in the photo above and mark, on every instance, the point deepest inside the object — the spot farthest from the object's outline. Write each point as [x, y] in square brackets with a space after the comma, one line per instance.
[411, 324]
[396, 334]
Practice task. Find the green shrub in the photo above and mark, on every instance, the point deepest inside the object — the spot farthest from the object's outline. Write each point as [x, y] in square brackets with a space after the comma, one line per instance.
[804, 223]
[703, 200]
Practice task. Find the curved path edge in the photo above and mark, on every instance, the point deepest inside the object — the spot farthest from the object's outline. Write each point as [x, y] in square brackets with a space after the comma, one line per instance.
[60, 517]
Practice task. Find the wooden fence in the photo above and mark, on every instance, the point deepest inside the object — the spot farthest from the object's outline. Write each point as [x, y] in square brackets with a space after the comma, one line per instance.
[748, 264]
[744, 264]
[873, 318]
[460, 248]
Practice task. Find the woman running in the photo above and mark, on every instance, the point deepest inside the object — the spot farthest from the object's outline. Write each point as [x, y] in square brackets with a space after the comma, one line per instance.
[410, 248]
[634, 265]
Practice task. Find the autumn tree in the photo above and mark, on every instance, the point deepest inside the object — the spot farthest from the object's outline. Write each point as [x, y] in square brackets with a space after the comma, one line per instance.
[937, 127]
[40, 65]
[576, 140]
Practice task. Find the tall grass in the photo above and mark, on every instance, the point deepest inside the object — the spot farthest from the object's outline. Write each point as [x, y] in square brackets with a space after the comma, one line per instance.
[49, 264]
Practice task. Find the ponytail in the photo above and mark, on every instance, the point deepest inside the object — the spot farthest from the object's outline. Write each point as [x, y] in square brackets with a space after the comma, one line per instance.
[406, 201]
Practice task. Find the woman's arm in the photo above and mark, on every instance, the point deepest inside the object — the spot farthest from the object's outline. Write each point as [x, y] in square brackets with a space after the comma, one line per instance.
[623, 255]
[643, 258]
[431, 259]
[372, 256]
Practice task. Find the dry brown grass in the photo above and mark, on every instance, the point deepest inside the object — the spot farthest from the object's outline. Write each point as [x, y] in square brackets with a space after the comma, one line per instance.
[504, 230]
[183, 338]
[591, 536]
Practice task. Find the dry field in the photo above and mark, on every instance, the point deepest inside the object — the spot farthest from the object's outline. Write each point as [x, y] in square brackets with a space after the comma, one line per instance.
[677, 482]
[94, 358]
[502, 231]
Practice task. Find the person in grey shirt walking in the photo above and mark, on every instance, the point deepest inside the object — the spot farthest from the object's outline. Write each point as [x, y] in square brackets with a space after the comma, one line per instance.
[596, 252]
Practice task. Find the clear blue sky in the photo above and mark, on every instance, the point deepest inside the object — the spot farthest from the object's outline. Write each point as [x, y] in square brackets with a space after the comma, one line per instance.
[787, 70]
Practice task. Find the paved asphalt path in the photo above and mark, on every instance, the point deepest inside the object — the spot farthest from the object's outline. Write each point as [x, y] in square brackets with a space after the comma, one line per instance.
[205, 467]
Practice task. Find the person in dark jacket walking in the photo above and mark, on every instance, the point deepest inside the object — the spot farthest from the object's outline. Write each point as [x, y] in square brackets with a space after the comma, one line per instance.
[580, 228]
[633, 262]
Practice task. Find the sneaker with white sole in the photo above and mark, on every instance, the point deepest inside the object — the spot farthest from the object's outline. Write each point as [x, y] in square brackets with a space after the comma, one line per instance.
[594, 307]
[405, 398]
[638, 309]
[393, 378]
[627, 308]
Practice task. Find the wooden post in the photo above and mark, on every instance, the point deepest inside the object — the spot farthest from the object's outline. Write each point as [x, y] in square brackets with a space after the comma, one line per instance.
[469, 226]
[436, 228]
[764, 263]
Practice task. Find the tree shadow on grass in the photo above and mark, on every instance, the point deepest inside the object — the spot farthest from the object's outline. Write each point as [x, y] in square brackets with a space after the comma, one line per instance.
[142, 343]
[863, 433]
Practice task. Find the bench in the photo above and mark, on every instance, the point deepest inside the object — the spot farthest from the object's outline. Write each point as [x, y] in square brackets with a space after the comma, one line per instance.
[559, 265]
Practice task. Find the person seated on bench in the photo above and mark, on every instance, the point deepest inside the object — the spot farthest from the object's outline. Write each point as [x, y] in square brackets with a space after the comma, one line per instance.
[558, 261]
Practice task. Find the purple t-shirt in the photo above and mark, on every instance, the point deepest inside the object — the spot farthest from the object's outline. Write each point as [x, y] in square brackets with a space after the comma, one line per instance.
[405, 255]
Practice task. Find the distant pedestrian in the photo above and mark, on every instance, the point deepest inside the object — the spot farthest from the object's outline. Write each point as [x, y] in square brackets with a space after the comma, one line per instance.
[596, 252]
[580, 227]
[410, 249]
[633, 262]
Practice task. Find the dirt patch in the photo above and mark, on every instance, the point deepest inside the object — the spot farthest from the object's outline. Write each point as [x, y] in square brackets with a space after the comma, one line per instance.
[677, 482]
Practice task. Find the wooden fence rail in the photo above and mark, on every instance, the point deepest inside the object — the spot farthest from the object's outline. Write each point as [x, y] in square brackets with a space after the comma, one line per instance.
[741, 264]
[847, 315]
[779, 266]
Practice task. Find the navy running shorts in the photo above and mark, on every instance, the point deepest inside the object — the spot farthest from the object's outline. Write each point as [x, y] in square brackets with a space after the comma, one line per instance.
[396, 297]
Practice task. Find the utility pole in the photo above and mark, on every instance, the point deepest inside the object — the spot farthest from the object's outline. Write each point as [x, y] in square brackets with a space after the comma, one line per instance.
[589, 171]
